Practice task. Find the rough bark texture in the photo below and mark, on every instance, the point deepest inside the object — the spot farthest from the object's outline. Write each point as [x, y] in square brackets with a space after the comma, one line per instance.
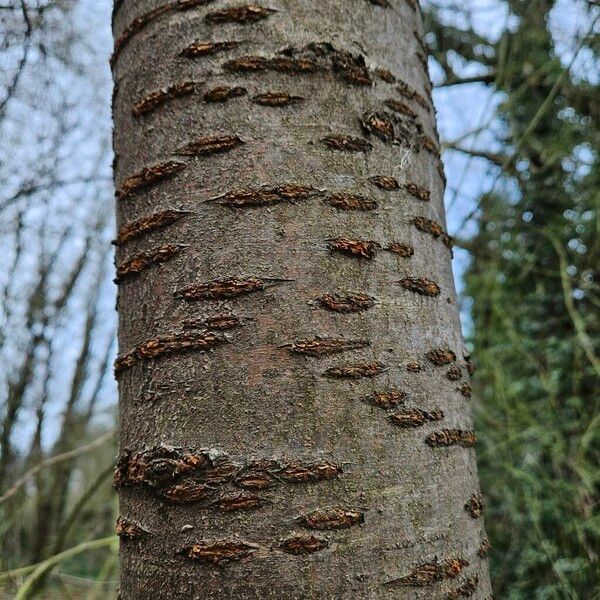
[294, 422]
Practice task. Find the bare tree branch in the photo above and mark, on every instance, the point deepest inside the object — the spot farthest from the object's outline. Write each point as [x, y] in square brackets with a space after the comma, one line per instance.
[53, 460]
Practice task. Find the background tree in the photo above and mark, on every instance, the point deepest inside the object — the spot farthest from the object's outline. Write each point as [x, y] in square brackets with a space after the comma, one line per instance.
[57, 301]
[533, 282]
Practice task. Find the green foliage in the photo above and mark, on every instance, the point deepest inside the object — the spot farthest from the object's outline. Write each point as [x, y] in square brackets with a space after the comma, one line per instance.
[32, 533]
[534, 284]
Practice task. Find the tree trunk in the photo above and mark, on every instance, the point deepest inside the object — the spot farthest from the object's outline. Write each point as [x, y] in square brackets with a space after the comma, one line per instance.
[295, 417]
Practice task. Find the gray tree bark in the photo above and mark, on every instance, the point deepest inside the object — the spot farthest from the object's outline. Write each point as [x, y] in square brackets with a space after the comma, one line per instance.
[295, 418]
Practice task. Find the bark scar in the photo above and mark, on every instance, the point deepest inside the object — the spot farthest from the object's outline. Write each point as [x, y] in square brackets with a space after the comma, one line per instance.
[402, 250]
[253, 64]
[205, 146]
[356, 371]
[239, 501]
[350, 68]
[418, 192]
[144, 260]
[474, 506]
[301, 544]
[411, 94]
[484, 548]
[354, 248]
[350, 303]
[188, 491]
[379, 125]
[148, 224]
[382, 3]
[429, 573]
[451, 437]
[332, 518]
[198, 48]
[277, 99]
[346, 143]
[142, 21]
[264, 197]
[385, 75]
[149, 176]
[432, 228]
[189, 476]
[421, 285]
[465, 590]
[224, 93]
[384, 182]
[224, 289]
[166, 345]
[129, 529]
[325, 346]
[241, 14]
[454, 373]
[155, 99]
[401, 108]
[465, 389]
[387, 399]
[415, 417]
[441, 356]
[348, 202]
[218, 552]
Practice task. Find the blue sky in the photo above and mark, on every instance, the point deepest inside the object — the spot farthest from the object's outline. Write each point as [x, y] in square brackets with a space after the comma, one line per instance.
[58, 126]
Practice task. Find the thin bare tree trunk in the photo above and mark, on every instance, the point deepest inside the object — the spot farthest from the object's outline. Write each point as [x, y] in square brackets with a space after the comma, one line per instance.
[295, 418]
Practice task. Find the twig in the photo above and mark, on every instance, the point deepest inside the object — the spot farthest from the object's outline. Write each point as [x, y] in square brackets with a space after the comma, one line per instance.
[74, 514]
[27, 587]
[13, 85]
[54, 460]
[582, 336]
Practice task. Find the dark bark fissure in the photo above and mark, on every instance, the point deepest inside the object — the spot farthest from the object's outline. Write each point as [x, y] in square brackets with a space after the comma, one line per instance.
[294, 412]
